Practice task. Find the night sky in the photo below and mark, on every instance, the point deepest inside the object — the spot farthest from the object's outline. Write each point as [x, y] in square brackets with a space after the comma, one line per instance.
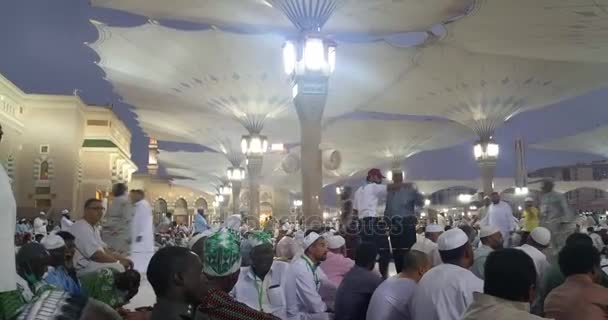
[44, 51]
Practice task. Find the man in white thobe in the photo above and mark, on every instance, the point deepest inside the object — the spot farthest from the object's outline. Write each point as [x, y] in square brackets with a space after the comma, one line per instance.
[8, 214]
[142, 232]
[40, 224]
[500, 215]
[428, 243]
[491, 239]
[66, 222]
[538, 241]
[304, 280]
[261, 286]
[445, 291]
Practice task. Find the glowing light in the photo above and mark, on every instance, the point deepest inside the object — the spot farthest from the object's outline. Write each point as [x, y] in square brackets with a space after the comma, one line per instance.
[314, 54]
[465, 198]
[427, 202]
[523, 191]
[289, 57]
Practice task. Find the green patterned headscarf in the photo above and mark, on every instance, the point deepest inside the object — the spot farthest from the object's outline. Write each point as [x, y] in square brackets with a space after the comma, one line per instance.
[222, 254]
[258, 238]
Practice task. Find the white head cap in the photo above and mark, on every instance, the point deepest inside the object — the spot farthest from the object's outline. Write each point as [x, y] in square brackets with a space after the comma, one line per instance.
[487, 231]
[335, 242]
[452, 239]
[310, 239]
[529, 199]
[432, 228]
[541, 236]
[52, 241]
[199, 236]
[65, 211]
[42, 213]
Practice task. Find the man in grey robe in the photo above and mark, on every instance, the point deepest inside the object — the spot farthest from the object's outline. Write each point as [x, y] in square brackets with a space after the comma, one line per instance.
[556, 215]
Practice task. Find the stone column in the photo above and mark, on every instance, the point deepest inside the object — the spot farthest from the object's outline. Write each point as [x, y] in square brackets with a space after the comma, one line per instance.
[254, 170]
[310, 103]
[236, 196]
[487, 168]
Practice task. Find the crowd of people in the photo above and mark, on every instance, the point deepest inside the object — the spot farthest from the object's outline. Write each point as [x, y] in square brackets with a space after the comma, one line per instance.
[475, 269]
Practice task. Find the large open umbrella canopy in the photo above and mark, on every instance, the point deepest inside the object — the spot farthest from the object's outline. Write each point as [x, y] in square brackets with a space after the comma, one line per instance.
[380, 16]
[591, 141]
[568, 30]
[481, 91]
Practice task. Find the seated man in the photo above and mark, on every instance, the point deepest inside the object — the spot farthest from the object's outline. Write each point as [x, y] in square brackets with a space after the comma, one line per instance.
[428, 244]
[446, 290]
[58, 274]
[91, 252]
[33, 261]
[580, 297]
[305, 278]
[337, 264]
[491, 239]
[221, 265]
[60, 305]
[353, 295]
[510, 280]
[261, 286]
[392, 299]
[110, 286]
[176, 276]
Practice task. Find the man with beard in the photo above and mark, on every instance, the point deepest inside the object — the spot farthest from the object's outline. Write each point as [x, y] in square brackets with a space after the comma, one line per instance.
[304, 280]
[491, 239]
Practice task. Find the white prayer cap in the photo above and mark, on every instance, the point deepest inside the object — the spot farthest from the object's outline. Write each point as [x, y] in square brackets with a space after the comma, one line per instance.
[431, 228]
[529, 199]
[42, 213]
[199, 236]
[487, 231]
[541, 236]
[233, 222]
[335, 242]
[65, 211]
[452, 239]
[52, 241]
[310, 239]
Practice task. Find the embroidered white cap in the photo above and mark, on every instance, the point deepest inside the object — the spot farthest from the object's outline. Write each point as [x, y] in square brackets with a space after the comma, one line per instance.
[432, 228]
[52, 241]
[310, 239]
[452, 239]
[541, 236]
[335, 242]
[487, 231]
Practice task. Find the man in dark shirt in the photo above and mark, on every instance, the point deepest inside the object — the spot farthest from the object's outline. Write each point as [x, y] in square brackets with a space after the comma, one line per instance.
[355, 291]
[176, 275]
[401, 212]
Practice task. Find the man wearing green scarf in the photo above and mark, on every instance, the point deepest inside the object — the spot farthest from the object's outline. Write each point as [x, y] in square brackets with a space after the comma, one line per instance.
[221, 265]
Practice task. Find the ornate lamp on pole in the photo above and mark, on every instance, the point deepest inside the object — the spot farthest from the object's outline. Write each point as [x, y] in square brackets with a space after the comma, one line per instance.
[235, 175]
[310, 60]
[486, 154]
[254, 146]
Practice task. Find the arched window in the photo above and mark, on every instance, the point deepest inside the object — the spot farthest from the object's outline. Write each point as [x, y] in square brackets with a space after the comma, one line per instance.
[201, 204]
[44, 170]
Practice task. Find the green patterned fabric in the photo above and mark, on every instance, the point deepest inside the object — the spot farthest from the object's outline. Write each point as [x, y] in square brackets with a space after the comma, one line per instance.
[100, 285]
[258, 238]
[11, 304]
[222, 254]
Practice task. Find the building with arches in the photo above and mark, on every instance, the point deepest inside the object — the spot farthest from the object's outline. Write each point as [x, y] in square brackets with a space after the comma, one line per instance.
[59, 151]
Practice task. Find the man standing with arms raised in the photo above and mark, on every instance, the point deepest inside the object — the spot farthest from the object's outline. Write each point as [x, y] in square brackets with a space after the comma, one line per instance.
[366, 202]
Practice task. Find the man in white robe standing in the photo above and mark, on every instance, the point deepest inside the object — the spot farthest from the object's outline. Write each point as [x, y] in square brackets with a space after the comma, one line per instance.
[445, 291]
[40, 224]
[142, 232]
[66, 222]
[500, 215]
[8, 214]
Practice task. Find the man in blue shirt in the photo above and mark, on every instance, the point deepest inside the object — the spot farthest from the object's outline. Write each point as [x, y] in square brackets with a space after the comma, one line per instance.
[57, 274]
[401, 212]
[200, 224]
